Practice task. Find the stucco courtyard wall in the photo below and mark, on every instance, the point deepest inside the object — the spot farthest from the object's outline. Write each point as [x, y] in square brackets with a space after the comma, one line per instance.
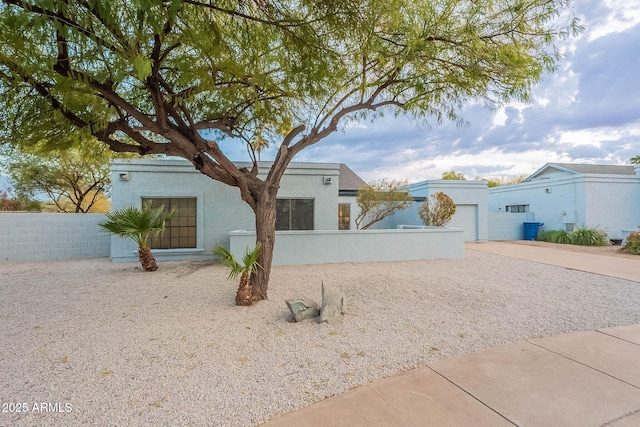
[332, 246]
[51, 236]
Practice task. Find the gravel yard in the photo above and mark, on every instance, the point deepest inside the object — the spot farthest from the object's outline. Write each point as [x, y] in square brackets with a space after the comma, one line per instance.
[90, 342]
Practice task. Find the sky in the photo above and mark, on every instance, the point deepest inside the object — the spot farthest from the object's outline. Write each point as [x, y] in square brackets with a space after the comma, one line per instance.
[588, 111]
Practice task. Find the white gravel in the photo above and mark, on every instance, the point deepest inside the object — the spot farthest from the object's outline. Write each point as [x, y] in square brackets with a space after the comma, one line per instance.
[90, 342]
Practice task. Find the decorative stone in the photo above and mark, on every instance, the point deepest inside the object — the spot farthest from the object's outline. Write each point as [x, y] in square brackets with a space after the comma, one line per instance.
[303, 309]
[332, 308]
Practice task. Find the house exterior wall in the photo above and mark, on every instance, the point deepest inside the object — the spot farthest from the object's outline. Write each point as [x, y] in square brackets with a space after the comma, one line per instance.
[219, 207]
[562, 200]
[51, 236]
[470, 198]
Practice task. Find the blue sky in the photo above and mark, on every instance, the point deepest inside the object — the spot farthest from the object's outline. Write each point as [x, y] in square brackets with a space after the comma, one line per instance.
[586, 112]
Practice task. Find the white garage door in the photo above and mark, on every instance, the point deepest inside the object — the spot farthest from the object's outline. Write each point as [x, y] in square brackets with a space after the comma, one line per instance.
[466, 217]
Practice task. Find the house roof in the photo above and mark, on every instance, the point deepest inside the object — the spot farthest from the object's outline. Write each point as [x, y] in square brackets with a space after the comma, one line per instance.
[349, 181]
[584, 169]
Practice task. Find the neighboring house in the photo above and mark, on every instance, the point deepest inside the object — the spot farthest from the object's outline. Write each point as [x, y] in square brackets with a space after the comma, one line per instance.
[312, 196]
[470, 198]
[563, 195]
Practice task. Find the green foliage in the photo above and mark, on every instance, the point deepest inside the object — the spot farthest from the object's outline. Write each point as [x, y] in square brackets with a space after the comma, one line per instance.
[437, 210]
[380, 199]
[635, 160]
[579, 236]
[453, 176]
[554, 236]
[249, 261]
[589, 237]
[137, 224]
[632, 245]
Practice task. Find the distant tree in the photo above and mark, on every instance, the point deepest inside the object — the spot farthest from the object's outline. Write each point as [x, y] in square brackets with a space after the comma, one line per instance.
[18, 203]
[379, 199]
[437, 210]
[175, 77]
[497, 182]
[453, 176]
[76, 179]
[635, 160]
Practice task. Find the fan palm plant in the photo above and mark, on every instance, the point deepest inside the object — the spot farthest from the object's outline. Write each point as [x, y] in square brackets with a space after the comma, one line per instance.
[250, 265]
[138, 225]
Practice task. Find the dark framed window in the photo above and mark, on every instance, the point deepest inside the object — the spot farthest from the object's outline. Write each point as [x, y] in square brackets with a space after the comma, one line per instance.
[180, 231]
[344, 216]
[294, 214]
[517, 208]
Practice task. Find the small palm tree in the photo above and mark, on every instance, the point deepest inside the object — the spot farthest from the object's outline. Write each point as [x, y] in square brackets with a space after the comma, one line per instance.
[139, 225]
[250, 265]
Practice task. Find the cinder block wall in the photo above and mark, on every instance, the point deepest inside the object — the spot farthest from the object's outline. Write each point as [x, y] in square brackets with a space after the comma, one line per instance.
[51, 236]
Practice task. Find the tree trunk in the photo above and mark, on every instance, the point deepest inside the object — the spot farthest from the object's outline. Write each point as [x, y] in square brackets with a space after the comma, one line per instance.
[244, 296]
[146, 259]
[265, 212]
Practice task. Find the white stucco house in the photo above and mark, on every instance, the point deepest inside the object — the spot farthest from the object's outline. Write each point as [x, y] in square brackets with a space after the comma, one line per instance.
[563, 195]
[315, 219]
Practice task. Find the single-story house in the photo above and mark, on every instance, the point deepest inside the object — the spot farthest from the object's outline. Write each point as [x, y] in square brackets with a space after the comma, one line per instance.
[312, 196]
[315, 217]
[470, 198]
[565, 195]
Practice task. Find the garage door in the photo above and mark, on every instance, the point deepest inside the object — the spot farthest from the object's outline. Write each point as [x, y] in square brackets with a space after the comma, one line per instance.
[466, 217]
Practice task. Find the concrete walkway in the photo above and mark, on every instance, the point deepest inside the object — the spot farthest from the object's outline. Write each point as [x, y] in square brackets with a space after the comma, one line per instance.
[580, 379]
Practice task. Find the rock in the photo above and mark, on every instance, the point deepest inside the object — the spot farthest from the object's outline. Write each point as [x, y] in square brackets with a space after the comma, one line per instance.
[303, 309]
[332, 308]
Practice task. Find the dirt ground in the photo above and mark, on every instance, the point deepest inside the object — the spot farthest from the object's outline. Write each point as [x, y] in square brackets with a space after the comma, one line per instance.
[612, 250]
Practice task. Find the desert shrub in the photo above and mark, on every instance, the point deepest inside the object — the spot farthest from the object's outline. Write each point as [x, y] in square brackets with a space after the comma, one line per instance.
[545, 235]
[633, 243]
[437, 210]
[554, 236]
[588, 237]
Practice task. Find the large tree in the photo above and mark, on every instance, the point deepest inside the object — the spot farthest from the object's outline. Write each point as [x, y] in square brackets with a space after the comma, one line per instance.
[176, 77]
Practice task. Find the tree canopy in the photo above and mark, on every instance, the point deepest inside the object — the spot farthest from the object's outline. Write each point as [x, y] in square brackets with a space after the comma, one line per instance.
[176, 77]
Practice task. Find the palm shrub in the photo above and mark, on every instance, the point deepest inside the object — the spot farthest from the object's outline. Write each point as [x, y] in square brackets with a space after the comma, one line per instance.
[633, 243]
[249, 265]
[437, 210]
[588, 236]
[138, 225]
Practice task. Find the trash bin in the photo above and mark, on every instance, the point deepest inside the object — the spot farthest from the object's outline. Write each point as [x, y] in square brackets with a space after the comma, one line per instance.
[531, 230]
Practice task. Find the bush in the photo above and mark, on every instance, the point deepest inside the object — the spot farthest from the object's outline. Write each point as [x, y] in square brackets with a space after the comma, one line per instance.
[437, 210]
[589, 237]
[554, 236]
[633, 243]
[579, 236]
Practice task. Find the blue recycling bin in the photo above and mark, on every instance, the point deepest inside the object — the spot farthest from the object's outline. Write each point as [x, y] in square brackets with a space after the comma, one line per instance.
[531, 230]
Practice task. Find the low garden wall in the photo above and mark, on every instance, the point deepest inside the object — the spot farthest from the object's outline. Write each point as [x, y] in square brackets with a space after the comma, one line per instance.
[508, 226]
[51, 236]
[328, 246]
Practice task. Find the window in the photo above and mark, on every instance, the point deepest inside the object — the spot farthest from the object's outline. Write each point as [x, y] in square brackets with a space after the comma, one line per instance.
[517, 208]
[294, 214]
[344, 216]
[180, 231]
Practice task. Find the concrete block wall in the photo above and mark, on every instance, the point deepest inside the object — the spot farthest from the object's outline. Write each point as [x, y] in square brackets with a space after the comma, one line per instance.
[51, 236]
